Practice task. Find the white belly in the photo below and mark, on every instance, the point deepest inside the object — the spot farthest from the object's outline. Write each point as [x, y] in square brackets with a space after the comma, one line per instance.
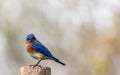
[36, 56]
[39, 56]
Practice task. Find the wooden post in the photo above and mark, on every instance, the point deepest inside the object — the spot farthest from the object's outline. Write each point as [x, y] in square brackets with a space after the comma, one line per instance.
[29, 70]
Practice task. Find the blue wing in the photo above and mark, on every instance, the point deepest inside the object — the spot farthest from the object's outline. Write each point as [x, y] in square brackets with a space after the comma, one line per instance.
[39, 47]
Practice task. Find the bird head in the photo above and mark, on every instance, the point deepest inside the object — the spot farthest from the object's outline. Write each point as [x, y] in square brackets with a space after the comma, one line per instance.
[30, 37]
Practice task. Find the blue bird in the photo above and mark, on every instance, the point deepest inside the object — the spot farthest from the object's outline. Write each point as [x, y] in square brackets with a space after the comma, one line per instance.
[38, 51]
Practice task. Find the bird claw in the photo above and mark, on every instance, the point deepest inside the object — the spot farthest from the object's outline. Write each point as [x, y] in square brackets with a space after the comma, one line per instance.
[33, 66]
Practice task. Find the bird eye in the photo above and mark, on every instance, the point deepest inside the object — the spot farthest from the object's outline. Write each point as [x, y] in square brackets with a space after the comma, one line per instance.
[27, 39]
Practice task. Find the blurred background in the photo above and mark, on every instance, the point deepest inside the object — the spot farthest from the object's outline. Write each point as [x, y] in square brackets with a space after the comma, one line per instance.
[85, 34]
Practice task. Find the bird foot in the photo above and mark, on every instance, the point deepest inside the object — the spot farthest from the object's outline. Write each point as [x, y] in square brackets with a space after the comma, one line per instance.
[31, 65]
[35, 66]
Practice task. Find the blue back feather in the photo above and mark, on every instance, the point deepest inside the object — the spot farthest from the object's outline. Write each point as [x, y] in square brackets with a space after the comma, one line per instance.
[38, 46]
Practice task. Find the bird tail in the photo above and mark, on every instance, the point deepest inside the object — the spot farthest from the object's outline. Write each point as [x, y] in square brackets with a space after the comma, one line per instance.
[57, 60]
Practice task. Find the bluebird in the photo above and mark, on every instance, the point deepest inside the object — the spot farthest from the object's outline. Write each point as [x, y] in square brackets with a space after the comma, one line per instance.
[38, 51]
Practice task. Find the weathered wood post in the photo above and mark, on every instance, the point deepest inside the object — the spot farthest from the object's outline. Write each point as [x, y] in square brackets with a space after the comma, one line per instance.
[29, 70]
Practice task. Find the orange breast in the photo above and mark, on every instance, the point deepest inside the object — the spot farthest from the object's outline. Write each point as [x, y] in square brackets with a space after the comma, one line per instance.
[29, 48]
[28, 45]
